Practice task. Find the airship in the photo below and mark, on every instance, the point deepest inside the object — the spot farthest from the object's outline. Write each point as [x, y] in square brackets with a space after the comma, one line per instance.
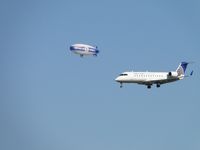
[84, 49]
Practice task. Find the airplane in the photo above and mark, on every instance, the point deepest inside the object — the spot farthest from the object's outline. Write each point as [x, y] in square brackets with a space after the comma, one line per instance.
[150, 78]
[84, 49]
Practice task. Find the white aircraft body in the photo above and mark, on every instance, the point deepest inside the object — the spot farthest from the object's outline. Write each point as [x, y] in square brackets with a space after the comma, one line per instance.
[150, 78]
[84, 49]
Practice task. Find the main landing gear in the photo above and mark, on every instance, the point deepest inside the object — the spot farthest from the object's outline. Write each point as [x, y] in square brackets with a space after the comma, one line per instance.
[158, 85]
[148, 86]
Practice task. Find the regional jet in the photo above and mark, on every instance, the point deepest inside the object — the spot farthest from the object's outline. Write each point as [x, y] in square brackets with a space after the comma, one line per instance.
[84, 49]
[150, 78]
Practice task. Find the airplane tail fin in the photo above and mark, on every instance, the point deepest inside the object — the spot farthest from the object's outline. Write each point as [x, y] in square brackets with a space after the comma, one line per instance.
[181, 68]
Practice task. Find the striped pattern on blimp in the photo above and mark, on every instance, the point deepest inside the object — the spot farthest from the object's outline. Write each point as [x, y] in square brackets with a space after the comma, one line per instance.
[84, 49]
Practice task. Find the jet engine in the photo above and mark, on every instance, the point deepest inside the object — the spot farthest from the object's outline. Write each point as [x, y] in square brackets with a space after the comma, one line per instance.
[172, 74]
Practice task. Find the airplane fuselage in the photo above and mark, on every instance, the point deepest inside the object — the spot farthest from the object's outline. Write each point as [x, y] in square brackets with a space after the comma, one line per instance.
[147, 78]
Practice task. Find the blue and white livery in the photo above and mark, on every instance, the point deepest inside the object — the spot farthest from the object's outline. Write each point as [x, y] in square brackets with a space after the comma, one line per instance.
[150, 78]
[84, 49]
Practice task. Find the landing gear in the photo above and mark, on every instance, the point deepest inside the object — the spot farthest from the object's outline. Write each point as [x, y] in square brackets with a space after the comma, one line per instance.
[158, 85]
[81, 55]
[148, 86]
[121, 85]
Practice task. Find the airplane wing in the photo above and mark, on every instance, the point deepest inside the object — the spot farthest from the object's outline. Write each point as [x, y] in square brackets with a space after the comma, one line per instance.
[150, 82]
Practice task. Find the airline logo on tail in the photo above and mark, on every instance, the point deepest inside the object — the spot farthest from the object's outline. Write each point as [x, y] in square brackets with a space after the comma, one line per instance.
[181, 68]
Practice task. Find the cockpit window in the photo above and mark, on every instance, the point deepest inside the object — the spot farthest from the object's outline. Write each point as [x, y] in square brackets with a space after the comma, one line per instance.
[123, 74]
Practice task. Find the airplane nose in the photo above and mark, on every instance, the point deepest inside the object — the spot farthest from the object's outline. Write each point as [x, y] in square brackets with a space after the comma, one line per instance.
[97, 51]
[117, 79]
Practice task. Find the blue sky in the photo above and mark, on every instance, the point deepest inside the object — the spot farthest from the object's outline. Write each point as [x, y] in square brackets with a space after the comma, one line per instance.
[53, 99]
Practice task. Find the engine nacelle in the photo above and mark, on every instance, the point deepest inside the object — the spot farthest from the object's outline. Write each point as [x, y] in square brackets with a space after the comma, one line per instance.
[173, 74]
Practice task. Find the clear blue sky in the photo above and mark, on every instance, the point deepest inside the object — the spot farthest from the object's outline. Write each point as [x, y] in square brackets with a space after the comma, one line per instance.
[51, 99]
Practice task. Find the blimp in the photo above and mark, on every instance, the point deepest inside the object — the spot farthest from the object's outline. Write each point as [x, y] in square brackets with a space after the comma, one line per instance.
[84, 49]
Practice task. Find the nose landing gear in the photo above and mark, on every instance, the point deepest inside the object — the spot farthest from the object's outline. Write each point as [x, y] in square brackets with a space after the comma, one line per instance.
[121, 85]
